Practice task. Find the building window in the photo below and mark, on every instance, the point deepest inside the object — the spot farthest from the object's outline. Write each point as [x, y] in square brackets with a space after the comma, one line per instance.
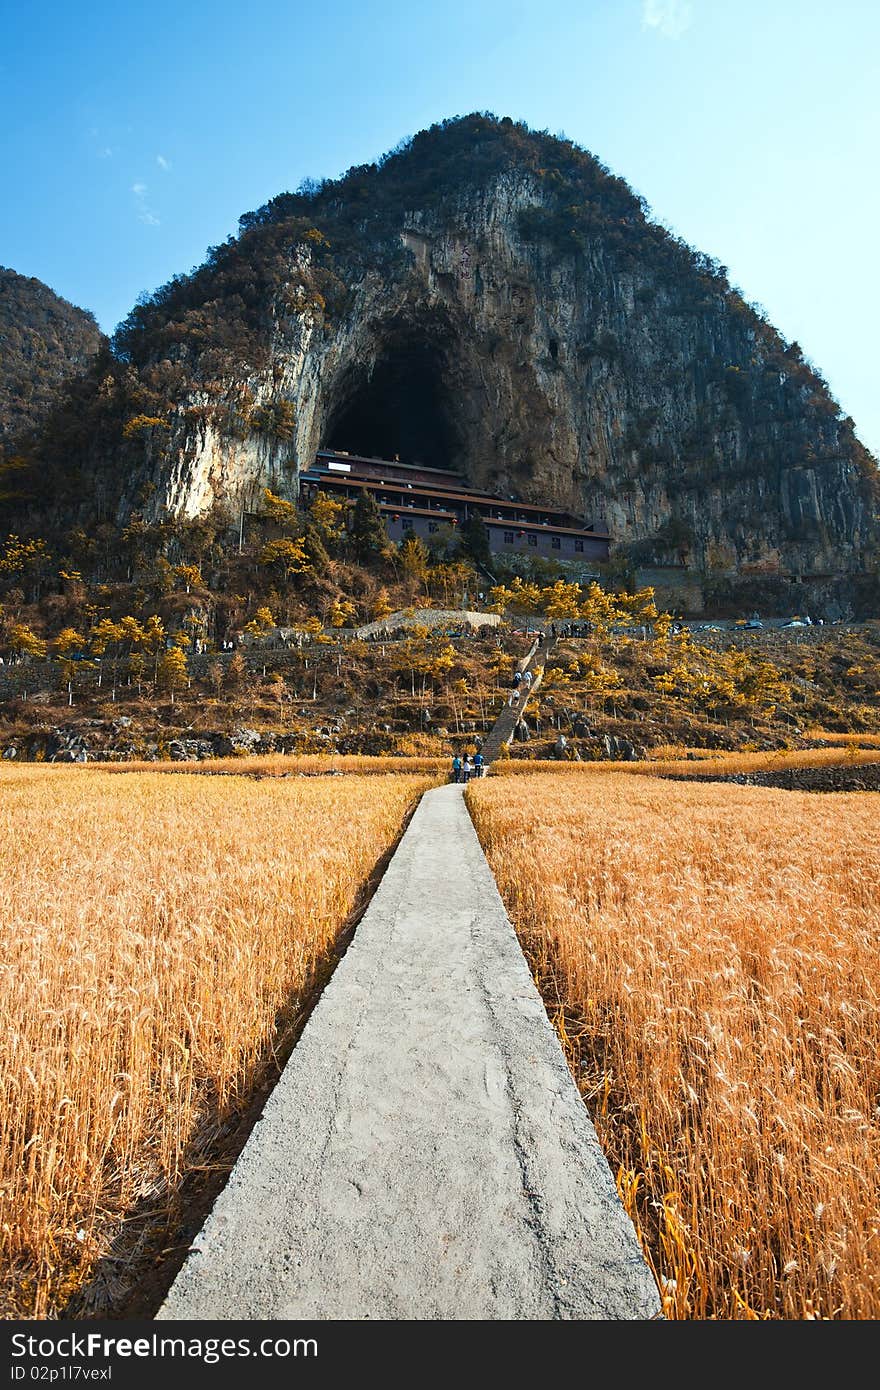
[579, 547]
[556, 542]
[533, 540]
[407, 523]
[508, 538]
[432, 527]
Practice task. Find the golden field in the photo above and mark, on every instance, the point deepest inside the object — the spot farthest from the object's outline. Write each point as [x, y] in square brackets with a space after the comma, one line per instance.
[706, 764]
[290, 765]
[155, 932]
[710, 954]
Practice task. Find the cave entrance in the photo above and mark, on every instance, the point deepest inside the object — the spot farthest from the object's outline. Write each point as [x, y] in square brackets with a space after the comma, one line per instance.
[402, 410]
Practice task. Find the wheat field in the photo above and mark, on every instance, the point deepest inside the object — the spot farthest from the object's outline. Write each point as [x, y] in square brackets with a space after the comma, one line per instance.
[710, 955]
[154, 929]
[288, 765]
[705, 764]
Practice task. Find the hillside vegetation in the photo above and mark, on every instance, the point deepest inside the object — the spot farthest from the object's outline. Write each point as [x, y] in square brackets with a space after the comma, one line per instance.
[122, 643]
[45, 341]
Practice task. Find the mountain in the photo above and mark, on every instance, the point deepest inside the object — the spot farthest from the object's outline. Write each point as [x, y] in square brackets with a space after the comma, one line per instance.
[492, 299]
[44, 340]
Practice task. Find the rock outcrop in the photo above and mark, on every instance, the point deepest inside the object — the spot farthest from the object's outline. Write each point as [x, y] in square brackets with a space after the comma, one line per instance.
[493, 300]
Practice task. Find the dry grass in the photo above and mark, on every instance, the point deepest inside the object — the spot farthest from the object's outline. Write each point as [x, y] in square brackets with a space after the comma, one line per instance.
[705, 765]
[290, 765]
[845, 740]
[711, 954]
[154, 928]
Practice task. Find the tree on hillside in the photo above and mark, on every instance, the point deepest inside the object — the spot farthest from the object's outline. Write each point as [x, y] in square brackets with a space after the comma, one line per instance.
[366, 530]
[316, 552]
[341, 612]
[106, 636]
[67, 642]
[172, 671]
[261, 623]
[327, 516]
[475, 539]
[188, 576]
[561, 600]
[414, 561]
[288, 556]
[24, 642]
[154, 640]
[279, 510]
[381, 605]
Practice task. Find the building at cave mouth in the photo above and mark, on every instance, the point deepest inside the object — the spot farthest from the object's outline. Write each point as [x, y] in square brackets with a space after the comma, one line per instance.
[417, 500]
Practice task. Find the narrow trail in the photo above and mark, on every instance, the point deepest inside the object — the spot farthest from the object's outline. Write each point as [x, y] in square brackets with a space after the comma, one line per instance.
[425, 1154]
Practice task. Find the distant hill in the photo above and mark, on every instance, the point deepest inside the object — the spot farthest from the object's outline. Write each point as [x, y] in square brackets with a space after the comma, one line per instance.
[44, 340]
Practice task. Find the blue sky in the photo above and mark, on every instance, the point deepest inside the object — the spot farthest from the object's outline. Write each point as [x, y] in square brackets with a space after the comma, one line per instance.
[135, 135]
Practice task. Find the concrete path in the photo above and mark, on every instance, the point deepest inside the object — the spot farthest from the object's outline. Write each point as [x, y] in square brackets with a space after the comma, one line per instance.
[425, 1154]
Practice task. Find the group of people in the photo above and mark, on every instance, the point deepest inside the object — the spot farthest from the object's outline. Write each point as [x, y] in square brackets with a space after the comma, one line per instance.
[463, 769]
[522, 683]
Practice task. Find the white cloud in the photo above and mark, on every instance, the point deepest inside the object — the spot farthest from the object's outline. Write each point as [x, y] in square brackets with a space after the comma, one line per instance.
[144, 212]
[162, 162]
[106, 152]
[671, 18]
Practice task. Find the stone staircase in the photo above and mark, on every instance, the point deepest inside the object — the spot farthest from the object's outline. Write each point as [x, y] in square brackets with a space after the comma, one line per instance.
[502, 730]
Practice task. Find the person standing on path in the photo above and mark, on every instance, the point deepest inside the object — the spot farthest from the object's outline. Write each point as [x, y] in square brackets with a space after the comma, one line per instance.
[527, 682]
[456, 768]
[514, 693]
[467, 768]
[478, 764]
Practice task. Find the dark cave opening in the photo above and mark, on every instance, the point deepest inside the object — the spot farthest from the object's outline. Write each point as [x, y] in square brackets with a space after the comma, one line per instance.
[403, 410]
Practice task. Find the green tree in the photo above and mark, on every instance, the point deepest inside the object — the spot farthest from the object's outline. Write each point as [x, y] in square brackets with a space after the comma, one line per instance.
[475, 539]
[366, 530]
[316, 551]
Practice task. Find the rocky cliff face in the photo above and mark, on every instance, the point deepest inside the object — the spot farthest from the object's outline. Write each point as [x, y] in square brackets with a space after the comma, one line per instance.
[495, 301]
